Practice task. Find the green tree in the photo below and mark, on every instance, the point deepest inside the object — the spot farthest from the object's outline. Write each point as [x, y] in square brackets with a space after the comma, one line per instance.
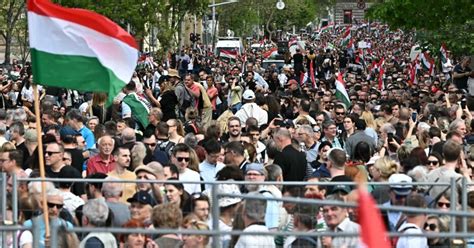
[435, 21]
[10, 13]
[247, 14]
[142, 15]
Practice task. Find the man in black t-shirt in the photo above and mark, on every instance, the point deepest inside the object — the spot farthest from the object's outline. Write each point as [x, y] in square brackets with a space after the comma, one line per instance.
[462, 72]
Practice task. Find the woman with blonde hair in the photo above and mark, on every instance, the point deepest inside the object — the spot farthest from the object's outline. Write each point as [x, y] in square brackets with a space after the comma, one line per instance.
[193, 161]
[382, 169]
[176, 131]
[370, 129]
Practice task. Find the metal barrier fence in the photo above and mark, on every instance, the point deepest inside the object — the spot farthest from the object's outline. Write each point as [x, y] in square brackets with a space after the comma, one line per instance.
[464, 213]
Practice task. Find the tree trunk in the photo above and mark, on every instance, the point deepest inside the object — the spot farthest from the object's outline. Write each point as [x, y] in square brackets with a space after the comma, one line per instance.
[8, 45]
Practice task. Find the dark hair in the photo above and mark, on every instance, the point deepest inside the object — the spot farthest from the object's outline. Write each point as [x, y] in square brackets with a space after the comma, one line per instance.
[305, 105]
[17, 156]
[74, 114]
[181, 147]
[212, 146]
[162, 128]
[173, 168]
[230, 172]
[184, 197]
[234, 146]
[97, 185]
[362, 151]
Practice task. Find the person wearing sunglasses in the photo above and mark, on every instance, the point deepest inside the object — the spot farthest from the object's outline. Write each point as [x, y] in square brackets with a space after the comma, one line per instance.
[434, 161]
[55, 203]
[435, 224]
[400, 188]
[181, 157]
[444, 203]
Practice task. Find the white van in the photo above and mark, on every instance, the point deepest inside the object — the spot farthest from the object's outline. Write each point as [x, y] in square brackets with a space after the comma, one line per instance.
[229, 44]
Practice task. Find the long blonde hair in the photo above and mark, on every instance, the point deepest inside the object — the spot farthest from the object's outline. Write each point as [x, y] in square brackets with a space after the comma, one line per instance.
[368, 117]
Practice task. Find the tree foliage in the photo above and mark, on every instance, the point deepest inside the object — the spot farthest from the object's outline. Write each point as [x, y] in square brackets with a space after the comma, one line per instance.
[141, 15]
[10, 13]
[436, 21]
[245, 15]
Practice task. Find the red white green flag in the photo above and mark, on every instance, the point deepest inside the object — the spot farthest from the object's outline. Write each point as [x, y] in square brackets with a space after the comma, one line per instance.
[346, 38]
[443, 53]
[381, 73]
[341, 92]
[79, 49]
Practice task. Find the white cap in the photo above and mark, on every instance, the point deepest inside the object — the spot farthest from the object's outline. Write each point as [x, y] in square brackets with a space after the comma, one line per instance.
[248, 95]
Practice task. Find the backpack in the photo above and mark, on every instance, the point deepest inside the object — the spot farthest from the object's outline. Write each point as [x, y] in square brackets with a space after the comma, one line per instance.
[394, 240]
[188, 100]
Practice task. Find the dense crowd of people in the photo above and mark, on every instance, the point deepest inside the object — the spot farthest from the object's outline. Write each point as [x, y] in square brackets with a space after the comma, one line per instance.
[196, 117]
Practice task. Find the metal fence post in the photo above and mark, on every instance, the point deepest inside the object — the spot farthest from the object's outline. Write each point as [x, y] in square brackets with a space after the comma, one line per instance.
[216, 239]
[15, 205]
[464, 204]
[4, 207]
[453, 206]
[53, 236]
[36, 232]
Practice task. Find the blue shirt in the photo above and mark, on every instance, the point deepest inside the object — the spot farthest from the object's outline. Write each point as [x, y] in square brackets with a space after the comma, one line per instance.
[42, 228]
[88, 137]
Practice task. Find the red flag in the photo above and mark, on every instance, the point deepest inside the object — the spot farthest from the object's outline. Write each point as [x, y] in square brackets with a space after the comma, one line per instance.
[381, 72]
[372, 229]
[311, 71]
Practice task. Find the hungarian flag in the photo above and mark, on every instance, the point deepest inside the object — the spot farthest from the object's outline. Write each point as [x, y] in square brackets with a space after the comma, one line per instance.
[346, 38]
[413, 69]
[341, 92]
[327, 28]
[79, 49]
[381, 72]
[228, 54]
[443, 53]
[427, 62]
[360, 58]
[271, 52]
[372, 229]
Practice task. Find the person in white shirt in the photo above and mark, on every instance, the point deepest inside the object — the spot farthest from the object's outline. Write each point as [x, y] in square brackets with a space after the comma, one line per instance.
[414, 224]
[181, 157]
[253, 216]
[251, 109]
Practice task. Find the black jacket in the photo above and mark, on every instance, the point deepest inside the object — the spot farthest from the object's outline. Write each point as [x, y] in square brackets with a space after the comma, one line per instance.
[293, 163]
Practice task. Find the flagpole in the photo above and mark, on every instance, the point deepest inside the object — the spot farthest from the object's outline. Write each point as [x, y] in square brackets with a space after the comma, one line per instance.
[44, 204]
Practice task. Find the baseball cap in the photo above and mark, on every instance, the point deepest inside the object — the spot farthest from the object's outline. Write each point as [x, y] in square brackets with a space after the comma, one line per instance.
[341, 188]
[398, 184]
[226, 201]
[142, 197]
[248, 95]
[144, 168]
[255, 167]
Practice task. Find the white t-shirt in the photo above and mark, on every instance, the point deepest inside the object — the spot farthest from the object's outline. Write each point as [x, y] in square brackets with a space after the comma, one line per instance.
[411, 242]
[260, 241]
[190, 175]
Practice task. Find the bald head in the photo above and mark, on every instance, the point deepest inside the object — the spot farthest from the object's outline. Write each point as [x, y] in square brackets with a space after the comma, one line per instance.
[128, 135]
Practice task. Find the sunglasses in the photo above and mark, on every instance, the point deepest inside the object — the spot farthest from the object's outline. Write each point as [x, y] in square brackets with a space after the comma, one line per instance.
[431, 226]
[400, 197]
[181, 159]
[433, 162]
[340, 113]
[444, 204]
[150, 144]
[52, 205]
[50, 153]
